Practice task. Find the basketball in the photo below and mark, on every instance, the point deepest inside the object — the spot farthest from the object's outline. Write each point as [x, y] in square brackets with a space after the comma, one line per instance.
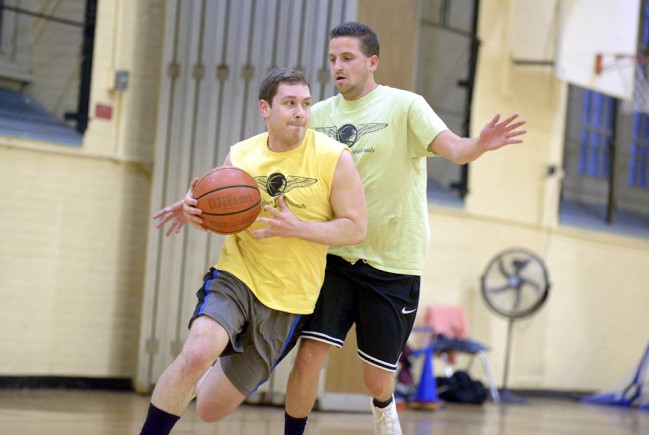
[229, 199]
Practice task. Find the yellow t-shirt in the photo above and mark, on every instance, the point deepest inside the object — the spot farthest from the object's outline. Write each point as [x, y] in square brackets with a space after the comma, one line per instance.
[388, 132]
[284, 273]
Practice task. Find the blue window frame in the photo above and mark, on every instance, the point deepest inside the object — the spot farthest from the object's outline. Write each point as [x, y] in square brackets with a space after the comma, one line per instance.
[639, 154]
[644, 31]
[596, 139]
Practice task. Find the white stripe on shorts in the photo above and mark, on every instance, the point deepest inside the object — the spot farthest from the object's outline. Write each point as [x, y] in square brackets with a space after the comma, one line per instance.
[318, 336]
[377, 362]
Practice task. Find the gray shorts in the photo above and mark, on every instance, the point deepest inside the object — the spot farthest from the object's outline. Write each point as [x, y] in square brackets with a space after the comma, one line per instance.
[259, 336]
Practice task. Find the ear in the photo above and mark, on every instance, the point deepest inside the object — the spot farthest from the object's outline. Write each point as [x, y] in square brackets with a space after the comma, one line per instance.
[374, 62]
[264, 108]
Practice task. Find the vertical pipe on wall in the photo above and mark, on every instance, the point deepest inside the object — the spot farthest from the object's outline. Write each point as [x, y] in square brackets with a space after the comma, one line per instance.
[470, 85]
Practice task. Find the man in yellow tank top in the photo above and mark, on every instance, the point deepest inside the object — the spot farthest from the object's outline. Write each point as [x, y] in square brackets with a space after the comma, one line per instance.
[375, 284]
[271, 273]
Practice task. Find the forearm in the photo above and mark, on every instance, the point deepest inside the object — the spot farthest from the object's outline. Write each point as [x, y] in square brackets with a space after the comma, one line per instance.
[336, 232]
[459, 150]
[494, 135]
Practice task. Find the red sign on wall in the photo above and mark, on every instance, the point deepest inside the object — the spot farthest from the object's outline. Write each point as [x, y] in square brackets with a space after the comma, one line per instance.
[103, 111]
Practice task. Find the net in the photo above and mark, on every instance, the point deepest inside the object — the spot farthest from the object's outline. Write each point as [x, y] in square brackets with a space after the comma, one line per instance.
[640, 101]
[640, 63]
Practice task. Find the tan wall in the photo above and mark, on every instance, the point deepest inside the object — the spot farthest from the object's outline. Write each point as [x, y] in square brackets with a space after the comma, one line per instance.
[129, 37]
[73, 220]
[72, 237]
[398, 42]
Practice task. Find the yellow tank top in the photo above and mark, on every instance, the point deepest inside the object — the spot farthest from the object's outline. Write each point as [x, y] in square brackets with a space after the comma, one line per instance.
[284, 273]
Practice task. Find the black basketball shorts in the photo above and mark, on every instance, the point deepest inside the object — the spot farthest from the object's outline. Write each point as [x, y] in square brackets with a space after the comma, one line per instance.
[383, 305]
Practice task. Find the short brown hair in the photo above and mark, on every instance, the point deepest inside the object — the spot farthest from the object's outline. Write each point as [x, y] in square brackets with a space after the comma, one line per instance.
[368, 39]
[277, 76]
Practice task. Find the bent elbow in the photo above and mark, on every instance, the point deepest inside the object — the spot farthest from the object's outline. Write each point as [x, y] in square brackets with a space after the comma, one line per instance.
[360, 234]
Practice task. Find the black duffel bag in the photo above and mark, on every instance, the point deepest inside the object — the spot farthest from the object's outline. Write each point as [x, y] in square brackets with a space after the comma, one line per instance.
[461, 388]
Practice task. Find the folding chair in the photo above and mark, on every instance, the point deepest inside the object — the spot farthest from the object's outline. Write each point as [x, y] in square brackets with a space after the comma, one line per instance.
[448, 330]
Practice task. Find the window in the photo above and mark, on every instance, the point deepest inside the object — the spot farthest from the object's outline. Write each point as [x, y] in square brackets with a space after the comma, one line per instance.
[596, 139]
[606, 165]
[45, 65]
[448, 46]
[639, 155]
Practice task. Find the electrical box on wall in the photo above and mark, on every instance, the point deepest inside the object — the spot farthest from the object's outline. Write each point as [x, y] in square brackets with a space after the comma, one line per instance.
[121, 80]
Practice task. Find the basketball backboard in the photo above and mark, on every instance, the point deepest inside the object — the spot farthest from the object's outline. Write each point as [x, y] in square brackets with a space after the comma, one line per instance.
[589, 27]
[534, 30]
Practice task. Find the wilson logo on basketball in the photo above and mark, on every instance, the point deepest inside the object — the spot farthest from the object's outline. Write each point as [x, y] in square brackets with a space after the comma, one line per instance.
[227, 201]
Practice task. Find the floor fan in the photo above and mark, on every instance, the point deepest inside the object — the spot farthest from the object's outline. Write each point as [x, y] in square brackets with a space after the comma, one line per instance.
[515, 284]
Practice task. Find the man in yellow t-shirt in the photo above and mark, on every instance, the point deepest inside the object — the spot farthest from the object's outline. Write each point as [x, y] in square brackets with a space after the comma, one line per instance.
[375, 284]
[270, 274]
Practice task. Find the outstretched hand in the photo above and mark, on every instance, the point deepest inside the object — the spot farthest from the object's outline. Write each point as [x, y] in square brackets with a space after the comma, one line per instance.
[174, 213]
[180, 213]
[496, 134]
[283, 222]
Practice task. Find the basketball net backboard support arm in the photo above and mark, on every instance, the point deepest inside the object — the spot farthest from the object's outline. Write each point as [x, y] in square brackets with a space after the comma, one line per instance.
[605, 62]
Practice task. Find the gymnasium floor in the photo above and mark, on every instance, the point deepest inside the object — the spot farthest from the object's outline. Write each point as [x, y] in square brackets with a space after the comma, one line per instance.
[62, 412]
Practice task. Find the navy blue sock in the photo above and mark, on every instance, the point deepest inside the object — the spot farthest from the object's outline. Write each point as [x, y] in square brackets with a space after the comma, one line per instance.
[382, 404]
[294, 426]
[158, 422]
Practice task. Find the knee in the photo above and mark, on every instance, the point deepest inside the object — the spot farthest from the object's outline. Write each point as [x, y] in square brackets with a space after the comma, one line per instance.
[206, 411]
[195, 362]
[310, 357]
[217, 402]
[378, 383]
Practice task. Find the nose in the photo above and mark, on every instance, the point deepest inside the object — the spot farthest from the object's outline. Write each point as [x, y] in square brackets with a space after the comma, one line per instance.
[300, 110]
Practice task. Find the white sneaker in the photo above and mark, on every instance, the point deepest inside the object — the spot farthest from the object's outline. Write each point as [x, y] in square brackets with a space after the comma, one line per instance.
[386, 420]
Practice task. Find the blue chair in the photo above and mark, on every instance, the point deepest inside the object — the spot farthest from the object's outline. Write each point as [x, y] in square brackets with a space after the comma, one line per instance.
[445, 331]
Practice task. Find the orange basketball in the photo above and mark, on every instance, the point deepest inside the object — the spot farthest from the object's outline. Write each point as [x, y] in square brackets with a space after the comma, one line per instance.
[229, 199]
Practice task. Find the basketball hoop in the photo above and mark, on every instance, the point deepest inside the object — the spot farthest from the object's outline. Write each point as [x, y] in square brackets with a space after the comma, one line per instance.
[640, 64]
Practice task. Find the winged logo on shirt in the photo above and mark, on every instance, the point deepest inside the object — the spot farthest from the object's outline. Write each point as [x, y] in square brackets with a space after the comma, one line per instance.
[277, 184]
[349, 134]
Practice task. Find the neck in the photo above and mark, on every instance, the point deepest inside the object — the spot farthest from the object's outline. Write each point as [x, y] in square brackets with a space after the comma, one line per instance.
[278, 146]
[366, 90]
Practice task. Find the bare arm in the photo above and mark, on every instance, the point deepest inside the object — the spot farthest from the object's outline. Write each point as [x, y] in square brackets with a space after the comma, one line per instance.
[349, 225]
[494, 135]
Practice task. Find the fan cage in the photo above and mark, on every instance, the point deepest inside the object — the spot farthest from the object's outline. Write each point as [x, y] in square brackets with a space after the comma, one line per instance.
[515, 283]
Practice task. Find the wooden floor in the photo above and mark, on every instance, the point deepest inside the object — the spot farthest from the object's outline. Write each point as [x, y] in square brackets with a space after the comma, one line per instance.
[60, 412]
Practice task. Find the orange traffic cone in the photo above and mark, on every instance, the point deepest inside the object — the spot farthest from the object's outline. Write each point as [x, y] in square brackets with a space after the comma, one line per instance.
[426, 398]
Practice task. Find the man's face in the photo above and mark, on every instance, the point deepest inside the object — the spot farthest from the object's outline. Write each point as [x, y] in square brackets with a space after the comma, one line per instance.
[350, 68]
[288, 117]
